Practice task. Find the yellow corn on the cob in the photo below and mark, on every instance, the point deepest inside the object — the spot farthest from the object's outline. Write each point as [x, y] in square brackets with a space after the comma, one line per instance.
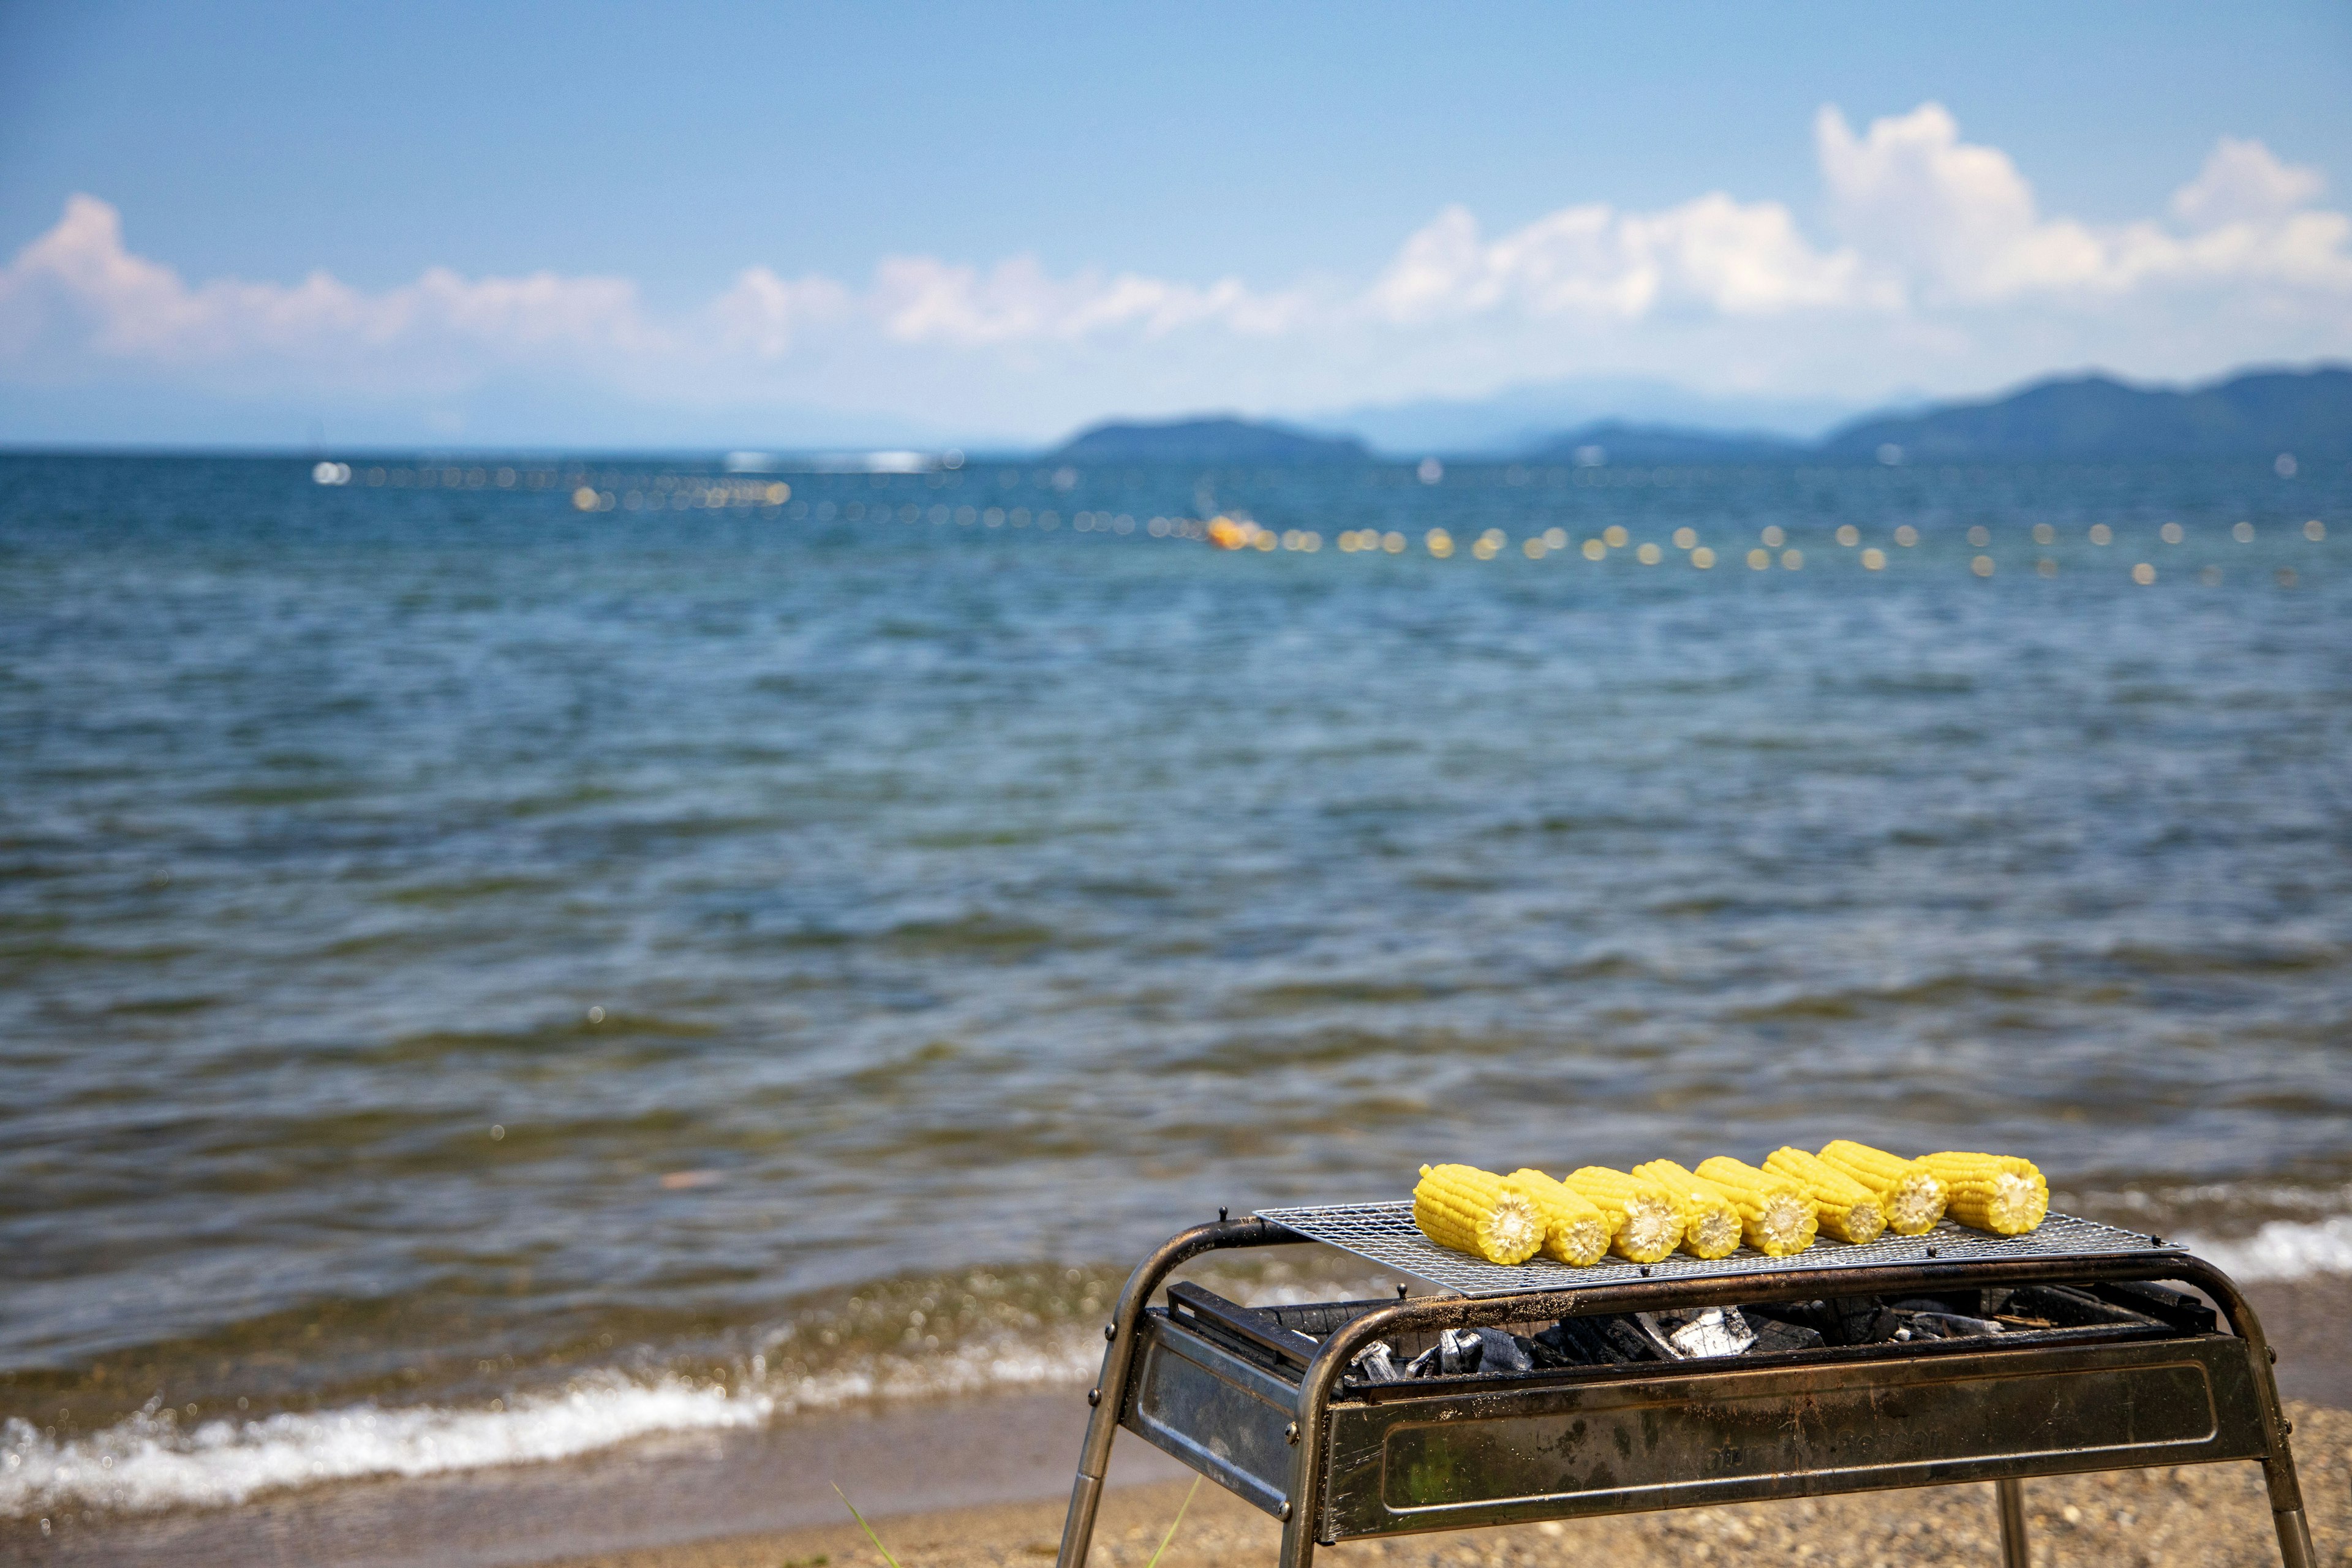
[1645, 1220]
[1776, 1219]
[1999, 1193]
[1476, 1211]
[1575, 1231]
[1911, 1194]
[1710, 1222]
[1843, 1207]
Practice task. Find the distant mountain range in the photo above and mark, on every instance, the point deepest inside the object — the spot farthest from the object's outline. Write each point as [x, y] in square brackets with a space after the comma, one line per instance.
[2259, 414]
[1515, 419]
[2254, 414]
[1212, 440]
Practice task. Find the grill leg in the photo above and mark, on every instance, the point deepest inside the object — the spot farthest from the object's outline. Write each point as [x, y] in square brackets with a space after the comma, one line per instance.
[2278, 1465]
[1109, 1396]
[2014, 1552]
[2294, 1538]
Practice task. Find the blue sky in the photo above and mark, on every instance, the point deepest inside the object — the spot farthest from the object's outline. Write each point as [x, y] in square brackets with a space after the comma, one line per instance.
[705, 225]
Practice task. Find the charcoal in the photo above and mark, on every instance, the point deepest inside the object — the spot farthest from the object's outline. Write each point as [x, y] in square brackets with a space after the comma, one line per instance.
[1376, 1362]
[1816, 1315]
[1698, 1333]
[2068, 1307]
[1570, 1342]
[1864, 1320]
[1423, 1365]
[1951, 1326]
[1460, 1351]
[1503, 1351]
[2161, 1302]
[1627, 1341]
[1772, 1337]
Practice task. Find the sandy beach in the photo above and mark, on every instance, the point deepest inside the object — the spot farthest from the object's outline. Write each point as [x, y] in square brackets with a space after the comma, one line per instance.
[2207, 1515]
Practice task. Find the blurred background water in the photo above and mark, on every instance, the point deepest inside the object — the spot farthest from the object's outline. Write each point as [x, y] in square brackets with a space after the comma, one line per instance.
[751, 946]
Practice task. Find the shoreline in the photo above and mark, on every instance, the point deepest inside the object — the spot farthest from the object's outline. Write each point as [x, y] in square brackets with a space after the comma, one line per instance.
[992, 1461]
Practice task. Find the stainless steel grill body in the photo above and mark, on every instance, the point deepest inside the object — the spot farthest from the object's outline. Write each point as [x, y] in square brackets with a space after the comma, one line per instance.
[1256, 1399]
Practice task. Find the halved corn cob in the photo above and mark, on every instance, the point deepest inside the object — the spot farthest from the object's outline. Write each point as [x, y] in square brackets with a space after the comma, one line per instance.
[1710, 1222]
[1575, 1230]
[1477, 1212]
[1843, 1207]
[1999, 1193]
[1912, 1194]
[1645, 1220]
[1775, 1217]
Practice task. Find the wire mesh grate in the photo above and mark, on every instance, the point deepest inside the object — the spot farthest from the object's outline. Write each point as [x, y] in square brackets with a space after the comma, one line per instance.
[1384, 1233]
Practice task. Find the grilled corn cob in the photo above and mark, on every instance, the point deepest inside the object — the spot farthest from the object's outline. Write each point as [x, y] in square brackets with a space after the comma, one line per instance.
[1710, 1223]
[1575, 1230]
[1645, 1220]
[1843, 1207]
[1477, 1212]
[1911, 1194]
[1999, 1193]
[1775, 1217]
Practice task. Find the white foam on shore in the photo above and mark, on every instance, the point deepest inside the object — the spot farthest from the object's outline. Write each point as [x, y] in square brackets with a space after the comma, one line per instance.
[2280, 1250]
[149, 1462]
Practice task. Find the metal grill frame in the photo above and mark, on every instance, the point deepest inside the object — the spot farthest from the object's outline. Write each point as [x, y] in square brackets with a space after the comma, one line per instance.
[2105, 1256]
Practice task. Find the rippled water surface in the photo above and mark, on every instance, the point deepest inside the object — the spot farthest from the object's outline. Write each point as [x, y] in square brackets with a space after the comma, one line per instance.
[449, 940]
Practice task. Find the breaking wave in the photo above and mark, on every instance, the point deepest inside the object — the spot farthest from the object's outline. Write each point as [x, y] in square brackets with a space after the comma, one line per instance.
[2280, 1250]
[149, 1462]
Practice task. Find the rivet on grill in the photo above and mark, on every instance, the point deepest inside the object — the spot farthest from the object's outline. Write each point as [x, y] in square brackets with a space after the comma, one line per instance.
[1110, 1330]
[1290, 1433]
[1222, 1212]
[1093, 1397]
[2273, 1349]
[1284, 1513]
[1401, 1290]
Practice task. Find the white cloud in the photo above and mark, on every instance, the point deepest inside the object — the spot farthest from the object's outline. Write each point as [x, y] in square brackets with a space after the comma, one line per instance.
[1962, 222]
[1592, 260]
[127, 307]
[762, 313]
[1941, 270]
[922, 299]
[2242, 182]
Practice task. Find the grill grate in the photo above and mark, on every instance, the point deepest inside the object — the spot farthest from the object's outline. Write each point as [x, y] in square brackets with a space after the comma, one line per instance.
[1384, 1233]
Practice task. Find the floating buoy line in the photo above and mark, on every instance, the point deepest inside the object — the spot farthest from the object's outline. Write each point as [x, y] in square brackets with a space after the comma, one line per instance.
[591, 491]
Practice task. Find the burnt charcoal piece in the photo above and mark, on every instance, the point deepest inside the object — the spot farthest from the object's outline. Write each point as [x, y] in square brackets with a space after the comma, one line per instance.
[1773, 1337]
[1552, 1347]
[1951, 1326]
[1503, 1351]
[2175, 1307]
[1570, 1342]
[1964, 1303]
[1624, 1337]
[1376, 1362]
[2069, 1308]
[1864, 1320]
[1696, 1334]
[1817, 1316]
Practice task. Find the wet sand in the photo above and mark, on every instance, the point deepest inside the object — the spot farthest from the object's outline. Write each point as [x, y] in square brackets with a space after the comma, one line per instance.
[980, 1483]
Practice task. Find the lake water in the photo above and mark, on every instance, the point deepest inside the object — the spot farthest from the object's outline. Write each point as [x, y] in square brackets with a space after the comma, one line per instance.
[481, 979]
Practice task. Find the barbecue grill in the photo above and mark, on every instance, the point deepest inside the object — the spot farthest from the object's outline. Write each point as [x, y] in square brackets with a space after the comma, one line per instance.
[1911, 1361]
